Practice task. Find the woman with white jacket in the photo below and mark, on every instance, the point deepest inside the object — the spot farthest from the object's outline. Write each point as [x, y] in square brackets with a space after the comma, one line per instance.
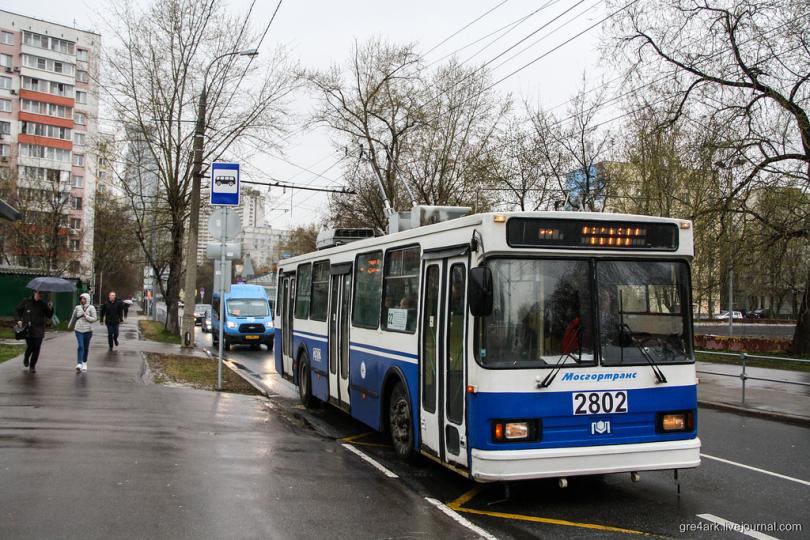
[83, 316]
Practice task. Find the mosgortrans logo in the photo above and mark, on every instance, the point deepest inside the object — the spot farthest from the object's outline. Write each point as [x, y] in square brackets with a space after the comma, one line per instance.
[599, 377]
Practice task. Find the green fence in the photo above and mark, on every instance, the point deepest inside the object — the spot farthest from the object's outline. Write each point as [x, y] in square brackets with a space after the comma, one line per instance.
[13, 290]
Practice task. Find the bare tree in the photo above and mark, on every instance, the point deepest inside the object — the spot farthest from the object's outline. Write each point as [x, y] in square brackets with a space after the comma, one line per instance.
[402, 126]
[156, 76]
[42, 237]
[573, 148]
[744, 64]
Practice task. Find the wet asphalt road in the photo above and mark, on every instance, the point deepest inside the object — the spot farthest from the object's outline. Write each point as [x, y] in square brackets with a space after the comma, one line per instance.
[105, 455]
[597, 506]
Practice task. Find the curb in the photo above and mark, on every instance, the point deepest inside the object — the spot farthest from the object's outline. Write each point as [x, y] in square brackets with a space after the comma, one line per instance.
[759, 413]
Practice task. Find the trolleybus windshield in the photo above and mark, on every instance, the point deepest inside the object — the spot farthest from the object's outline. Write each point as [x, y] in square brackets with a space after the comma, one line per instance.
[641, 308]
[541, 311]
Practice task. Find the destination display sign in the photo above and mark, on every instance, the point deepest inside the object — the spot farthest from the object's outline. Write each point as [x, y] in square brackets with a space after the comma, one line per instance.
[591, 234]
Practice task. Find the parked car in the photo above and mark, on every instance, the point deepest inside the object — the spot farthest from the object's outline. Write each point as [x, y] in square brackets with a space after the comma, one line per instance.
[761, 313]
[247, 316]
[199, 312]
[723, 315]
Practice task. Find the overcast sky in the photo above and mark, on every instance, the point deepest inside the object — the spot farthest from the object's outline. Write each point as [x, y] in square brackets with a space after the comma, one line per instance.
[320, 33]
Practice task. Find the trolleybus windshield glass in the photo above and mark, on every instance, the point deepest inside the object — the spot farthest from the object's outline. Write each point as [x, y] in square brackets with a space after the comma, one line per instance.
[541, 310]
[641, 307]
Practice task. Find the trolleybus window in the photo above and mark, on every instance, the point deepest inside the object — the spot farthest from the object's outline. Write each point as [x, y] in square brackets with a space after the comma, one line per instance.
[367, 290]
[455, 344]
[400, 288]
[302, 298]
[541, 315]
[641, 312]
[320, 290]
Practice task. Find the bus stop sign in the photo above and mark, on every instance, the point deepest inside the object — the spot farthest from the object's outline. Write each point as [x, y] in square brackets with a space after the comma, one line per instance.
[225, 184]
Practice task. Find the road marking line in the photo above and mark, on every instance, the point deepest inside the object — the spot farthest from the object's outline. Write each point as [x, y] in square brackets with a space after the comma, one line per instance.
[550, 521]
[376, 464]
[353, 438]
[763, 471]
[460, 519]
[731, 526]
[457, 505]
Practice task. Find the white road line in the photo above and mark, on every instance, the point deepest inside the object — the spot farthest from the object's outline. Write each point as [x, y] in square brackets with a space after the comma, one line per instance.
[460, 519]
[763, 471]
[731, 526]
[374, 463]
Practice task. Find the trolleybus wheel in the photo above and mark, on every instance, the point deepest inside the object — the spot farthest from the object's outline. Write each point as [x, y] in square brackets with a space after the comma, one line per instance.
[304, 382]
[400, 424]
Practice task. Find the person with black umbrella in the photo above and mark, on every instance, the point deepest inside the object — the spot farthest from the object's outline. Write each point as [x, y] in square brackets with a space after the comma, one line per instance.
[33, 313]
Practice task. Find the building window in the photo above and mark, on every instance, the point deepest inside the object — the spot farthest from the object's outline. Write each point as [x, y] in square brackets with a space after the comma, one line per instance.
[46, 42]
[81, 55]
[47, 64]
[367, 290]
[5, 83]
[5, 105]
[76, 203]
[75, 245]
[78, 160]
[79, 139]
[5, 60]
[46, 152]
[75, 223]
[45, 130]
[5, 128]
[5, 150]
[49, 109]
[82, 76]
[400, 289]
[78, 181]
[6, 38]
[81, 97]
[80, 118]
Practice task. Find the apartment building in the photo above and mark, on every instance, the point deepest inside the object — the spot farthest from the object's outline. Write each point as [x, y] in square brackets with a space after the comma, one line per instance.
[48, 123]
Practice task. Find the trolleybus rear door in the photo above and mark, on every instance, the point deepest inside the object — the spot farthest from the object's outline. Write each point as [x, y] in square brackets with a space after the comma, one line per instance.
[339, 301]
[287, 296]
[429, 352]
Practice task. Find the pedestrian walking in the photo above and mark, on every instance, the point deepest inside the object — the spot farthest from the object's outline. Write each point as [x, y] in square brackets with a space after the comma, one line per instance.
[112, 314]
[84, 315]
[33, 313]
[127, 304]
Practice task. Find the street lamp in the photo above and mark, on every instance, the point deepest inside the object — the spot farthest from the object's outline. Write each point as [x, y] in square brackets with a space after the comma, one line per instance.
[189, 297]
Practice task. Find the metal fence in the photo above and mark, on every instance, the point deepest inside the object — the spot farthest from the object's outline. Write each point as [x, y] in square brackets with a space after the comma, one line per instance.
[743, 376]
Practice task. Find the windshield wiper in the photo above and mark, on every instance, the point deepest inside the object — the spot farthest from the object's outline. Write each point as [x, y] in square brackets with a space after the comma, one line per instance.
[644, 352]
[557, 368]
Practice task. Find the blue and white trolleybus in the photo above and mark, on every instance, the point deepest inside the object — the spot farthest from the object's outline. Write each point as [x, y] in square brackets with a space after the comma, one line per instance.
[506, 346]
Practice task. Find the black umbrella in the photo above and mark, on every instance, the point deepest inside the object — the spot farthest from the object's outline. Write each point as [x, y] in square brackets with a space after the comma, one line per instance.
[51, 284]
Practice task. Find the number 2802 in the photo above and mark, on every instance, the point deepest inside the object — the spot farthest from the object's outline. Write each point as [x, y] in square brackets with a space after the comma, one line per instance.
[599, 402]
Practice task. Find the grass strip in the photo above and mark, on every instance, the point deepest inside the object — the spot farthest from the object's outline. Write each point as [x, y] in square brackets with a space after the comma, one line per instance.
[155, 331]
[197, 372]
[7, 352]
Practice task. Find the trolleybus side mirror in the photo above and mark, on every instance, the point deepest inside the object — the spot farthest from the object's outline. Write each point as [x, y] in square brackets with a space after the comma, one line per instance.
[479, 291]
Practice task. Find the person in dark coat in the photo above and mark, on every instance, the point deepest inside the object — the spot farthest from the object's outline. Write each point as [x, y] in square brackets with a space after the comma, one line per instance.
[112, 311]
[34, 313]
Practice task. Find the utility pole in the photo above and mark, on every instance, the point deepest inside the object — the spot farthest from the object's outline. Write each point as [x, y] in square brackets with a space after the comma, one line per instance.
[187, 326]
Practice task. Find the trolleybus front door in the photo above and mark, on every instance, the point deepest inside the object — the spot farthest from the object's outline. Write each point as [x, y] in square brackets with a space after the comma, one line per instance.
[287, 297]
[339, 301]
[443, 359]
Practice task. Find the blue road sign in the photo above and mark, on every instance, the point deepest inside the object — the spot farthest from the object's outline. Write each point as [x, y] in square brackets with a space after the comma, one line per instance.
[225, 184]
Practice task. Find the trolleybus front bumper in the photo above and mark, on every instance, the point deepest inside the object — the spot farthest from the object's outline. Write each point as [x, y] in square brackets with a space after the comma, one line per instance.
[506, 465]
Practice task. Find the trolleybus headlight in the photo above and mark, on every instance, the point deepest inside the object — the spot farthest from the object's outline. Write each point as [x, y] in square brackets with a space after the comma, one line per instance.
[514, 431]
[675, 421]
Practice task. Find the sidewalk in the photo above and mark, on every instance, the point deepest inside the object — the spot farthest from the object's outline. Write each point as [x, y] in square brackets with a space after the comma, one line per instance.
[102, 454]
[785, 402]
